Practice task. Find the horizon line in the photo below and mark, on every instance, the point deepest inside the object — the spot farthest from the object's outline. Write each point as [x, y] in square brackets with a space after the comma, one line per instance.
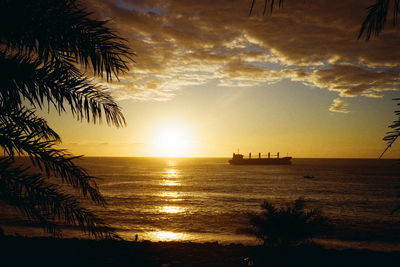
[224, 157]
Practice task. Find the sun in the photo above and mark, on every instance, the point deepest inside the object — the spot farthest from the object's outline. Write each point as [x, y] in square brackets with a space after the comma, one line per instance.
[172, 141]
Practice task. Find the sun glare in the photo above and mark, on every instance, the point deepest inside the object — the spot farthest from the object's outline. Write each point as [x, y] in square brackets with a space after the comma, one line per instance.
[171, 209]
[172, 141]
[166, 236]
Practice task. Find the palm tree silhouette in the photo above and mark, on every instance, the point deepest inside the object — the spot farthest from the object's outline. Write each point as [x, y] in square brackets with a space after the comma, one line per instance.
[286, 226]
[46, 47]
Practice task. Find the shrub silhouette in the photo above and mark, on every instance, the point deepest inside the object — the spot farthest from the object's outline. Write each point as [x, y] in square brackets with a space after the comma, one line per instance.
[287, 226]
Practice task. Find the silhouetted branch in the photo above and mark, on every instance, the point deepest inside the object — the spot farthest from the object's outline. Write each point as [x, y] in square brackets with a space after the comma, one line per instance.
[60, 29]
[43, 44]
[25, 122]
[375, 20]
[57, 83]
[392, 136]
[45, 203]
[14, 138]
[286, 226]
[272, 4]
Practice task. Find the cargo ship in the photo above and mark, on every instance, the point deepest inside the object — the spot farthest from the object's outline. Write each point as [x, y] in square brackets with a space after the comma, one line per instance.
[238, 159]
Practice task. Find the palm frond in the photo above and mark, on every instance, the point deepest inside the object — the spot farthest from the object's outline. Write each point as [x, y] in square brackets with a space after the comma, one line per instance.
[61, 29]
[43, 46]
[14, 139]
[376, 18]
[271, 3]
[57, 84]
[396, 9]
[44, 202]
[290, 225]
[25, 122]
[392, 136]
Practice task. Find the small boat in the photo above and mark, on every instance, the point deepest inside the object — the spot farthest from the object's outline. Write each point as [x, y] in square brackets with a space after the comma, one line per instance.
[238, 159]
[308, 176]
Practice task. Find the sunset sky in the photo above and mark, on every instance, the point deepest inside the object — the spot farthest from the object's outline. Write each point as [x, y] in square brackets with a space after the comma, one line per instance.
[209, 79]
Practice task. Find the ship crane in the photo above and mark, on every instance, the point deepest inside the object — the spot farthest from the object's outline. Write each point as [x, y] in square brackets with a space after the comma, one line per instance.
[269, 155]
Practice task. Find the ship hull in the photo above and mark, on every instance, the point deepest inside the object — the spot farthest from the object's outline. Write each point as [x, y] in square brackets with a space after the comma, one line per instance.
[258, 161]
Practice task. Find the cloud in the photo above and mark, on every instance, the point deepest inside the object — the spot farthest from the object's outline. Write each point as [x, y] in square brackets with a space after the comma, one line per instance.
[338, 105]
[350, 80]
[184, 43]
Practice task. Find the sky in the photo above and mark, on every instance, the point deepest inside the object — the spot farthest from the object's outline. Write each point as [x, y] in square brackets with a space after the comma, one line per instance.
[209, 79]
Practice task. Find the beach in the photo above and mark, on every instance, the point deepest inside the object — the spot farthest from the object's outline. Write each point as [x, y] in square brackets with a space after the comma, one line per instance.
[41, 251]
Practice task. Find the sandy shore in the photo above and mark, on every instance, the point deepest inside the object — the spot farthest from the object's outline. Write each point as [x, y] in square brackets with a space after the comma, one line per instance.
[22, 251]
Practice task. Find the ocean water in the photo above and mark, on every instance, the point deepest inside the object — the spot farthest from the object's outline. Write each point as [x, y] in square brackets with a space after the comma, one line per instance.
[207, 200]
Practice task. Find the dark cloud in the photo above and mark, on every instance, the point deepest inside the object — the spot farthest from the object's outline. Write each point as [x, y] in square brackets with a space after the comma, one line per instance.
[190, 42]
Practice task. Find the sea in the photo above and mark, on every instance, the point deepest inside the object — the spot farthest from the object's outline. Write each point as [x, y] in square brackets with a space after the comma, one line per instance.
[209, 200]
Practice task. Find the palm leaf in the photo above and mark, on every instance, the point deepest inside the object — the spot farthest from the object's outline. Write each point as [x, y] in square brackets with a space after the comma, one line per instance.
[272, 4]
[57, 84]
[285, 226]
[44, 202]
[46, 46]
[392, 136]
[62, 30]
[375, 20]
[25, 122]
[16, 139]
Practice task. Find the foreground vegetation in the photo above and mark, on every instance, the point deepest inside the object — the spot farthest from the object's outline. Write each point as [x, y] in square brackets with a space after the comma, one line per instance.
[287, 226]
[50, 51]
[76, 252]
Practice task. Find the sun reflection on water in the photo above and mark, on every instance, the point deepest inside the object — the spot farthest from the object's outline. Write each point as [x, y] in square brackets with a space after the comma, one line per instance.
[171, 173]
[166, 236]
[171, 209]
[170, 183]
[171, 163]
[170, 194]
